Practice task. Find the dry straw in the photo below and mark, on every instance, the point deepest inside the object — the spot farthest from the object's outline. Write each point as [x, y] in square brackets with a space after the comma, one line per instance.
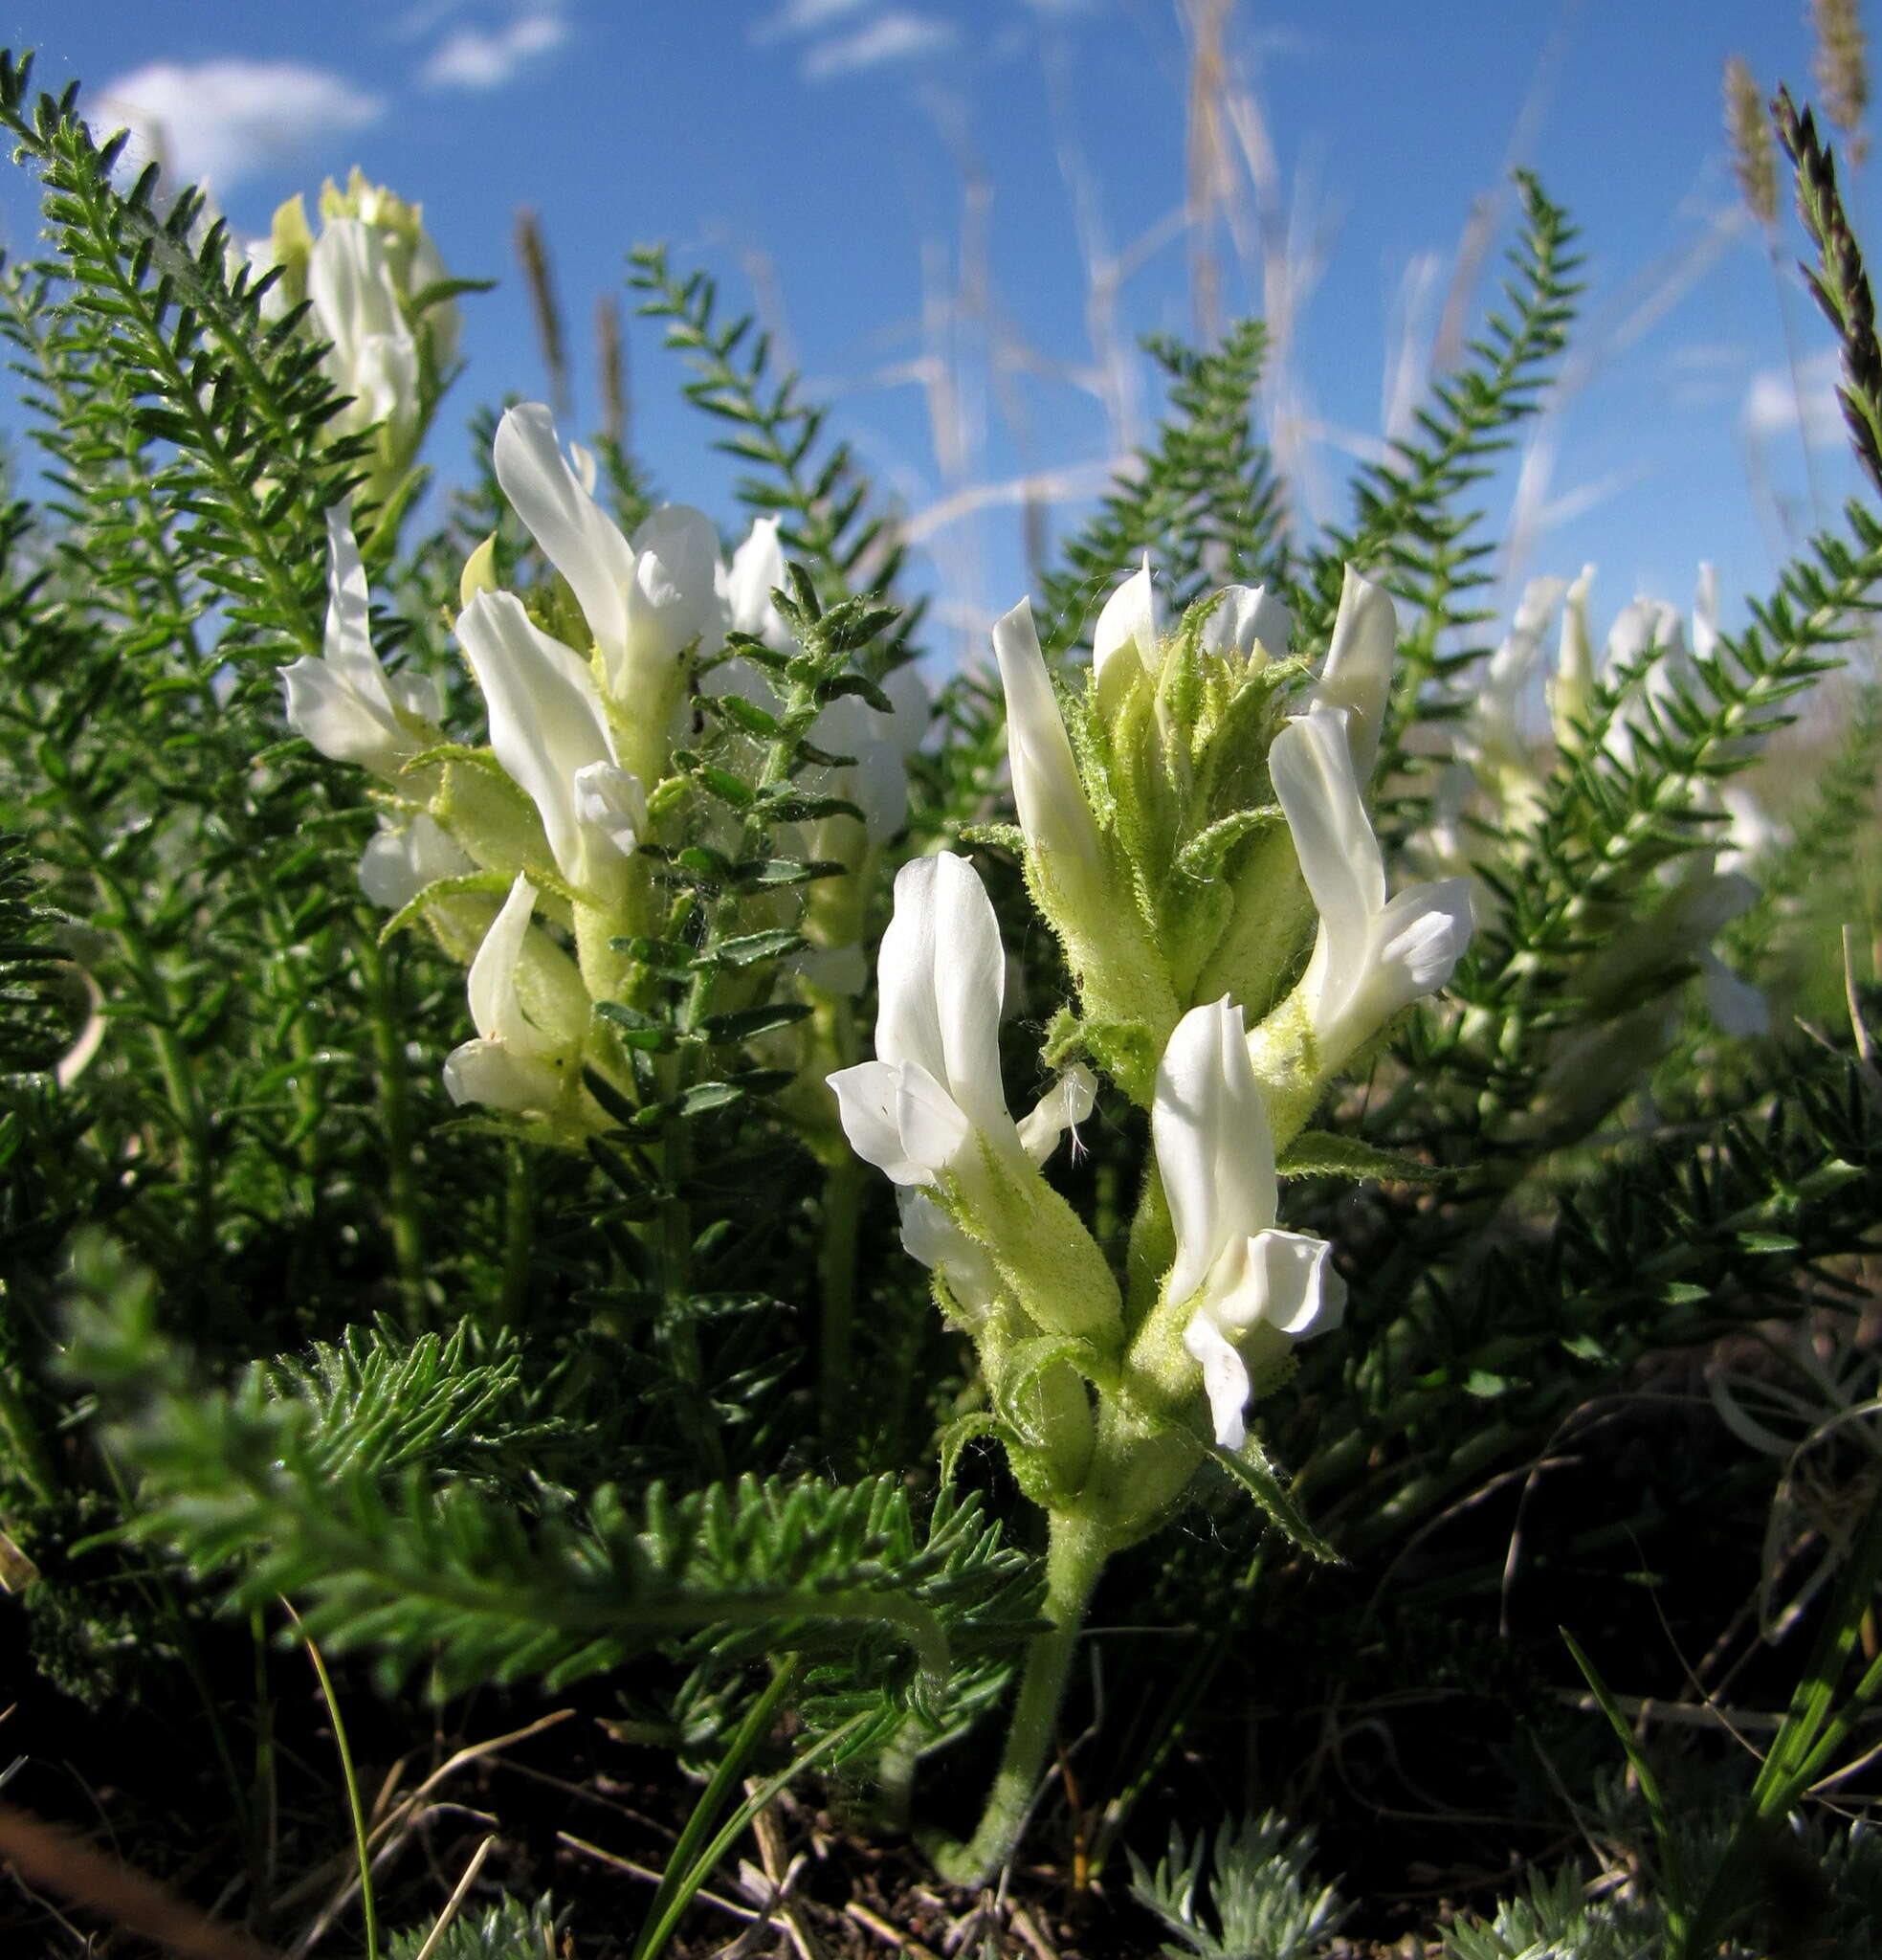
[1840, 69]
[532, 255]
[1754, 158]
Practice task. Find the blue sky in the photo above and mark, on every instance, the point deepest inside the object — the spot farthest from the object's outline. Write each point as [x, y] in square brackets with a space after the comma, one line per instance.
[918, 194]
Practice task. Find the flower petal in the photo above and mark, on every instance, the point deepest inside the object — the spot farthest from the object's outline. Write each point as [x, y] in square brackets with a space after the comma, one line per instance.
[907, 1023]
[323, 708]
[1418, 939]
[934, 1129]
[1062, 1107]
[1285, 1281]
[1573, 686]
[1358, 676]
[970, 985]
[611, 802]
[930, 1235]
[1248, 616]
[866, 1097]
[757, 571]
[347, 647]
[1052, 810]
[576, 536]
[1126, 630]
[1311, 767]
[547, 721]
[1214, 1150]
[398, 864]
[673, 597]
[1224, 1379]
[494, 1074]
[496, 1009]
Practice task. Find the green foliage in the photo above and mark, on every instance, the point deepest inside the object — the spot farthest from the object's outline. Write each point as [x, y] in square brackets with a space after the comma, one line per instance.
[1264, 1904]
[508, 1930]
[1407, 529]
[1202, 500]
[35, 1013]
[383, 1487]
[663, 1411]
[1555, 1920]
[822, 499]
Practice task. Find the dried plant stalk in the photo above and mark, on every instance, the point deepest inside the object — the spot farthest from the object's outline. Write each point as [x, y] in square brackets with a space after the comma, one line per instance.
[1839, 279]
[1754, 158]
[1840, 69]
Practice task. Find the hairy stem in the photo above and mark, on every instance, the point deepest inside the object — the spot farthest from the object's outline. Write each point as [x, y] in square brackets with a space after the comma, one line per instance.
[1074, 1557]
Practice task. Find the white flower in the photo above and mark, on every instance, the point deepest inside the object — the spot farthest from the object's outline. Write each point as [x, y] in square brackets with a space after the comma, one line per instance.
[876, 778]
[356, 306]
[1124, 641]
[645, 602]
[1752, 833]
[401, 861]
[551, 734]
[1572, 690]
[1643, 624]
[1373, 956]
[1492, 736]
[513, 1063]
[1245, 618]
[1358, 674]
[1059, 827]
[343, 702]
[931, 1236]
[1254, 1289]
[934, 1088]
[745, 587]
[1492, 740]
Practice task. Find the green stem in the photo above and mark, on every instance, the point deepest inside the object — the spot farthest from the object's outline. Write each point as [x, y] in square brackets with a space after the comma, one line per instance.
[1074, 1557]
[362, 1841]
[836, 1279]
[519, 1236]
[24, 1447]
[394, 1086]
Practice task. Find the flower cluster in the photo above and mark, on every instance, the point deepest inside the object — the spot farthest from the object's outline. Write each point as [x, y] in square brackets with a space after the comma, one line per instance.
[1194, 829]
[378, 294]
[534, 859]
[1498, 786]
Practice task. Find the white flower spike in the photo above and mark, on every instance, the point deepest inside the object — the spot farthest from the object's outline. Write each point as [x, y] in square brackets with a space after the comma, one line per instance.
[343, 702]
[1373, 956]
[1254, 1288]
[373, 357]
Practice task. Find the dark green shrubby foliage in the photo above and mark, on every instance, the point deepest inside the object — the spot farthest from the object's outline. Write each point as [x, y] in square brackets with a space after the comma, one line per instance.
[659, 1419]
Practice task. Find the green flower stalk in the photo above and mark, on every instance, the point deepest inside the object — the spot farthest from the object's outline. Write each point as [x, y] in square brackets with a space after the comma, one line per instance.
[1175, 822]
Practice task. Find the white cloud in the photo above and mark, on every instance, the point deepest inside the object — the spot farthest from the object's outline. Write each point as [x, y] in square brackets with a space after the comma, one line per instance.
[897, 36]
[220, 122]
[1772, 402]
[474, 58]
[803, 17]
